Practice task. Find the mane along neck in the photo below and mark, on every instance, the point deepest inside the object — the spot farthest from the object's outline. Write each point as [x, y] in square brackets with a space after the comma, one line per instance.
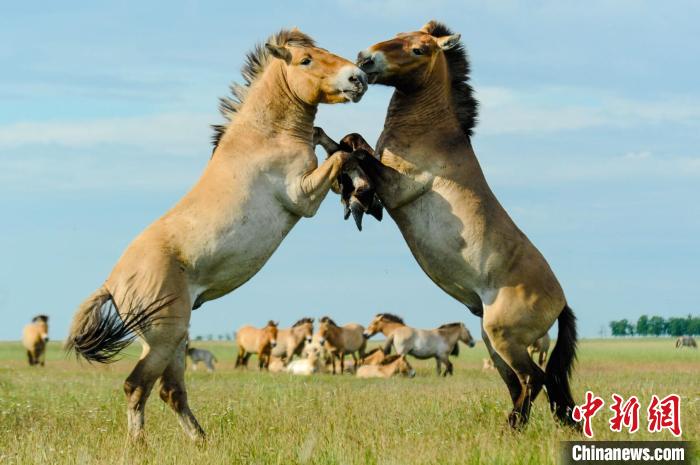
[256, 70]
[271, 108]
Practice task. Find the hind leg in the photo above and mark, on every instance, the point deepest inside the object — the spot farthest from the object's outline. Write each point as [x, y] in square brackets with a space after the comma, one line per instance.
[160, 345]
[510, 338]
[507, 374]
[173, 393]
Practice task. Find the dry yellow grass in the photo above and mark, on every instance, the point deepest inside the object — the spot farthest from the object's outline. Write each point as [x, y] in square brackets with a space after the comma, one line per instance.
[71, 413]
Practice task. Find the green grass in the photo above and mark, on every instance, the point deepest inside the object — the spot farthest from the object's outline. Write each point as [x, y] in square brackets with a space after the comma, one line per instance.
[75, 413]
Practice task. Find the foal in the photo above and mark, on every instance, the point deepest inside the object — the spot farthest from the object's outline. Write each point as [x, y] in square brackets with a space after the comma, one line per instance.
[391, 366]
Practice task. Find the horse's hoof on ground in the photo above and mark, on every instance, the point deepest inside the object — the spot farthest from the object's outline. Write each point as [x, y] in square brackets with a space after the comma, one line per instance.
[516, 420]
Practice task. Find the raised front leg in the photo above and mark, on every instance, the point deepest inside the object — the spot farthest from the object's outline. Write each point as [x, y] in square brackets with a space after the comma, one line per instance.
[394, 188]
[306, 192]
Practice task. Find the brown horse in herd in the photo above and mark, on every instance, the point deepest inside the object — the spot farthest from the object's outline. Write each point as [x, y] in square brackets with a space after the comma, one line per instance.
[251, 340]
[291, 341]
[431, 184]
[263, 177]
[342, 340]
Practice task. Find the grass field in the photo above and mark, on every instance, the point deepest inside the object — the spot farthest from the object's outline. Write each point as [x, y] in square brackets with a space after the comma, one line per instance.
[75, 413]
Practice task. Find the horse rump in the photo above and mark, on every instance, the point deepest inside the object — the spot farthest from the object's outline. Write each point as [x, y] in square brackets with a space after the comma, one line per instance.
[99, 332]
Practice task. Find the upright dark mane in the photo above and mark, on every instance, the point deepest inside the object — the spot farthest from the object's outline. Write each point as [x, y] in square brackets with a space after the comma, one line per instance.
[450, 325]
[463, 99]
[43, 318]
[256, 61]
[391, 317]
[327, 319]
[303, 321]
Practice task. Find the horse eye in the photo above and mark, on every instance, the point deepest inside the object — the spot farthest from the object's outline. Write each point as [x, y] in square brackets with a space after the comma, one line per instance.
[305, 61]
[417, 51]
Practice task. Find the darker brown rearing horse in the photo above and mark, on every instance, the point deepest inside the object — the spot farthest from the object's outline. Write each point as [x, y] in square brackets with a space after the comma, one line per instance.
[431, 184]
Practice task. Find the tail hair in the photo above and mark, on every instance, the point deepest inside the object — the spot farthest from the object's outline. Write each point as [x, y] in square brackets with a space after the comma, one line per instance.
[99, 332]
[560, 367]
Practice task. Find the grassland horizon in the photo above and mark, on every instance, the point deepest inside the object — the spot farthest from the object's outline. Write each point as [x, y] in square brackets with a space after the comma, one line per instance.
[74, 413]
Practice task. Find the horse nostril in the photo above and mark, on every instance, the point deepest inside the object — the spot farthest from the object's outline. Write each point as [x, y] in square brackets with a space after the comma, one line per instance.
[352, 79]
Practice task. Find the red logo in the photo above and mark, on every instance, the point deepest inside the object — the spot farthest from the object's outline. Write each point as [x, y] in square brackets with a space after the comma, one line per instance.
[665, 414]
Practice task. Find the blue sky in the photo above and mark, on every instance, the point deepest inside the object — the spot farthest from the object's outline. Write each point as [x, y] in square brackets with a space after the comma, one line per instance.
[589, 134]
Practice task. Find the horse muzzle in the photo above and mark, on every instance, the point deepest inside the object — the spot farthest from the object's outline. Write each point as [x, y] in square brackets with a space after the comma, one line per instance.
[273, 344]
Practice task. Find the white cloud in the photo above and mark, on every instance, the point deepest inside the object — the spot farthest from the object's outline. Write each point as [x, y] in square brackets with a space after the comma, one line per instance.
[176, 133]
[509, 111]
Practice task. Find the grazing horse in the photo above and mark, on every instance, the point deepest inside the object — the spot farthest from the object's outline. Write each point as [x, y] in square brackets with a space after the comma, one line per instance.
[431, 184]
[35, 335]
[342, 340]
[391, 366]
[251, 340]
[290, 341]
[437, 343]
[263, 177]
[540, 346]
[356, 192]
[686, 341]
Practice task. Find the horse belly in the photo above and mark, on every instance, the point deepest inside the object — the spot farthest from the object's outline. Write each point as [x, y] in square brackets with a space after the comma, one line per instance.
[441, 244]
[238, 252]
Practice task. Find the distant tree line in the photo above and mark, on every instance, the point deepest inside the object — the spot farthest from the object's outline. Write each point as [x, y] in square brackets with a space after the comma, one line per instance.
[656, 326]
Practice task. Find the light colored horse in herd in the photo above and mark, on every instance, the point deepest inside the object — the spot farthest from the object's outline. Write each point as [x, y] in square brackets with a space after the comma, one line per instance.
[311, 361]
[251, 340]
[431, 184]
[263, 177]
[291, 341]
[392, 365]
[35, 335]
[541, 347]
[438, 343]
[342, 340]
[686, 341]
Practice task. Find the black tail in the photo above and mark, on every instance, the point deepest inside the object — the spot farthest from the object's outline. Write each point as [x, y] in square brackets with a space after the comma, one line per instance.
[560, 367]
[99, 332]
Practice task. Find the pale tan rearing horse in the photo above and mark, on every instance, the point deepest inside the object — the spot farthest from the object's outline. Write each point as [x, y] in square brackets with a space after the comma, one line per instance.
[262, 178]
[431, 184]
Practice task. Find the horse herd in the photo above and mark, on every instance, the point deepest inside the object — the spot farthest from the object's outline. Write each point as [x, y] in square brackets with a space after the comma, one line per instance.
[275, 348]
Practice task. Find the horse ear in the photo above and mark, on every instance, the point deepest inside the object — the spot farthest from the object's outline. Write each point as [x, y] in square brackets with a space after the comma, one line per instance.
[428, 27]
[279, 51]
[448, 42]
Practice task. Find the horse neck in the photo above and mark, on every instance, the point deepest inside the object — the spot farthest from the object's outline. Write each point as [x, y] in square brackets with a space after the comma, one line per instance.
[271, 110]
[420, 111]
[390, 327]
[452, 336]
